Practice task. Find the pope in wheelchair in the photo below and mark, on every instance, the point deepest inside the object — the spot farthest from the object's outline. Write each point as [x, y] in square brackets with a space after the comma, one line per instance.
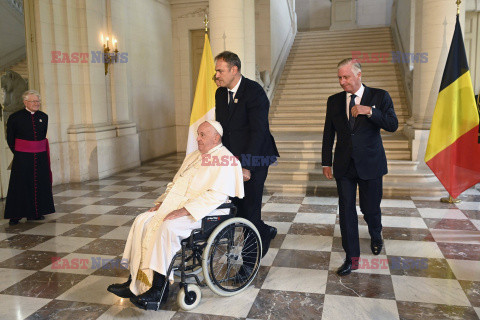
[191, 218]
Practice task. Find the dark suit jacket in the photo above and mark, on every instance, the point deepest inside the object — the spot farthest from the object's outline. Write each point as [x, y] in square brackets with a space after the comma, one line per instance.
[363, 144]
[246, 132]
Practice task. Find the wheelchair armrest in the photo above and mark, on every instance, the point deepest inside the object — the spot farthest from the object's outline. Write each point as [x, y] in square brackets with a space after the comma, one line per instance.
[226, 205]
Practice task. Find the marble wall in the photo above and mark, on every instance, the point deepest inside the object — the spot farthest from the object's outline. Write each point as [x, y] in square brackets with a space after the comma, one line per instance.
[100, 124]
[313, 14]
[374, 13]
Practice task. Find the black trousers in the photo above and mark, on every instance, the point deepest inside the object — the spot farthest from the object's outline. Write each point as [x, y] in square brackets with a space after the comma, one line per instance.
[250, 206]
[370, 196]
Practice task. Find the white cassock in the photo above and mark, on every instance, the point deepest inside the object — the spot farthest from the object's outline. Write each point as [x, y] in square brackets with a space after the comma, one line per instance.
[200, 186]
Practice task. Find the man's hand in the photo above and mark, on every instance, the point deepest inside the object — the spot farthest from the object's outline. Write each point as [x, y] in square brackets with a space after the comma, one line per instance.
[155, 208]
[176, 214]
[360, 109]
[327, 172]
[246, 174]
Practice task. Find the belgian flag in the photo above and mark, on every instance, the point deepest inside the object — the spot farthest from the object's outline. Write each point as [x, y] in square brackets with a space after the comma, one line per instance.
[453, 151]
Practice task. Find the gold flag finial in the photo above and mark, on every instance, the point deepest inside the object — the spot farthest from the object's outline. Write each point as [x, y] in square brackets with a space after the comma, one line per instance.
[206, 23]
[458, 6]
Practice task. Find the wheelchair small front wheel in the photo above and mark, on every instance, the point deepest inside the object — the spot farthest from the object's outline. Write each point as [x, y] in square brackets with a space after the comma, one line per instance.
[189, 300]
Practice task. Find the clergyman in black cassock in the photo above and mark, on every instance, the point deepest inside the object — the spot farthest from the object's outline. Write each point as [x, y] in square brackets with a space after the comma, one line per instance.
[30, 188]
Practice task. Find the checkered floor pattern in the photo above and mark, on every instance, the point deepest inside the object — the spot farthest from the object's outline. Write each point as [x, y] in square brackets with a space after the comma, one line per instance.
[429, 267]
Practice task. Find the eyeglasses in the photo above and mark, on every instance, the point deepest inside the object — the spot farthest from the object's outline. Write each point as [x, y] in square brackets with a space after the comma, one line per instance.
[34, 101]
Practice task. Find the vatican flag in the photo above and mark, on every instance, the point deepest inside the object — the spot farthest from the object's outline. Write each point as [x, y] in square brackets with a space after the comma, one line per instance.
[204, 101]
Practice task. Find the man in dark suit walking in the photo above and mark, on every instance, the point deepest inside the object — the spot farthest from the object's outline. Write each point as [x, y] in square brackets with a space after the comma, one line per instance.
[242, 109]
[356, 116]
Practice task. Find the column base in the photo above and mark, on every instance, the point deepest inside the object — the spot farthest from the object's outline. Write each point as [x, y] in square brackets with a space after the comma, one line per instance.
[98, 151]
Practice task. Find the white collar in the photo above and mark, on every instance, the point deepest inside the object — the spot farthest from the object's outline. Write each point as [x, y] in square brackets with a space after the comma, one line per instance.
[359, 92]
[234, 90]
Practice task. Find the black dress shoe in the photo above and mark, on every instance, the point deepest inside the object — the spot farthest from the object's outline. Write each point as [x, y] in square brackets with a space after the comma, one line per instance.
[13, 222]
[346, 268]
[122, 289]
[152, 298]
[271, 234]
[37, 218]
[376, 246]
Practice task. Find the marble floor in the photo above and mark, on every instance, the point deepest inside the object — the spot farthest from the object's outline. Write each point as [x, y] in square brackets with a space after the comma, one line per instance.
[429, 267]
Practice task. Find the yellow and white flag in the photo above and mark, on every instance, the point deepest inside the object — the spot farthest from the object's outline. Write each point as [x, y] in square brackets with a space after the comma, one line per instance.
[204, 100]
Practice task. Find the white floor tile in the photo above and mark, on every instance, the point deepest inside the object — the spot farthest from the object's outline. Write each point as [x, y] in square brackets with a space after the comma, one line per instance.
[325, 201]
[18, 307]
[51, 229]
[111, 220]
[295, 279]
[403, 222]
[468, 205]
[465, 269]
[405, 248]
[83, 200]
[429, 290]
[9, 277]
[441, 213]
[146, 203]
[394, 203]
[345, 308]
[315, 218]
[63, 244]
[281, 207]
[305, 242]
[95, 209]
[128, 195]
[236, 306]
[93, 290]
[456, 236]
[120, 233]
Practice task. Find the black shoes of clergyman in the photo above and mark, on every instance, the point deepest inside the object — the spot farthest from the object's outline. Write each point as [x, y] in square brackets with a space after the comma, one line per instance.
[37, 218]
[121, 289]
[376, 246]
[271, 234]
[13, 222]
[346, 268]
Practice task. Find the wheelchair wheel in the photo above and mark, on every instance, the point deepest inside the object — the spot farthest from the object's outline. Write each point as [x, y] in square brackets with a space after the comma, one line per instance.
[231, 258]
[191, 299]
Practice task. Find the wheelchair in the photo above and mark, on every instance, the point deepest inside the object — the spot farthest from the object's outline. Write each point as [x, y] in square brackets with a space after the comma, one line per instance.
[226, 249]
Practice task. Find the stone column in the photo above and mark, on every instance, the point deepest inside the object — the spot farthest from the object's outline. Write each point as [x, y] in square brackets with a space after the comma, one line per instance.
[230, 21]
[434, 26]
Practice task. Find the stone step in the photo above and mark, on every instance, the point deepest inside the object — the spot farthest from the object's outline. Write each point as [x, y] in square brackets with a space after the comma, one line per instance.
[315, 154]
[302, 165]
[339, 33]
[287, 83]
[306, 128]
[317, 120]
[319, 103]
[319, 112]
[329, 188]
[328, 89]
[398, 176]
[321, 96]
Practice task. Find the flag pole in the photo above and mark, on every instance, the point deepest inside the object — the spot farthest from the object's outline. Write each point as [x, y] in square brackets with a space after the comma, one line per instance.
[205, 21]
[449, 199]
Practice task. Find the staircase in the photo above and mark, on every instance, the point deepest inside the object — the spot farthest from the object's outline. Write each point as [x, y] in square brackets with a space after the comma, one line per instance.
[298, 112]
